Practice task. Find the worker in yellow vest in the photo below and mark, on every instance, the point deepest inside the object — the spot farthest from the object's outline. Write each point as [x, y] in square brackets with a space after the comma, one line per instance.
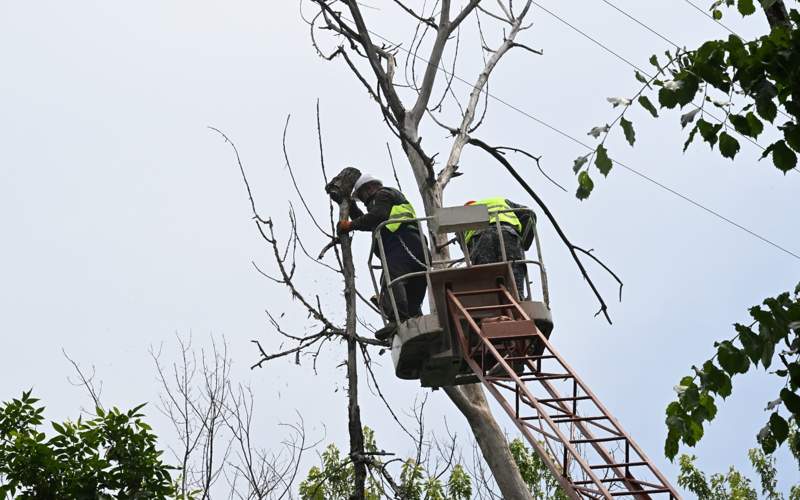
[403, 246]
[483, 245]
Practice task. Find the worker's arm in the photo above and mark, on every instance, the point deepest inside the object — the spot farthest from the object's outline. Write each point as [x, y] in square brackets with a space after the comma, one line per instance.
[519, 214]
[379, 211]
[355, 212]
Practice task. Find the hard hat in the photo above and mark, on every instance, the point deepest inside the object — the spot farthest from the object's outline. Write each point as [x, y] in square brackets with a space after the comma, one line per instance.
[470, 202]
[364, 180]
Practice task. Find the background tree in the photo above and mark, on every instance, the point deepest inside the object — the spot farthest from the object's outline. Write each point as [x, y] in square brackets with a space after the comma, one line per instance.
[213, 419]
[774, 335]
[111, 454]
[731, 88]
[734, 484]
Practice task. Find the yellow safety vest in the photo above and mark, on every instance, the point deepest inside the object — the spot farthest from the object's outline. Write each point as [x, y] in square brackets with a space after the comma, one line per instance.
[402, 211]
[495, 205]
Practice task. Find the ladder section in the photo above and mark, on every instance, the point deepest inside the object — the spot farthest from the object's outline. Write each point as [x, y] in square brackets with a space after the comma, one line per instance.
[581, 443]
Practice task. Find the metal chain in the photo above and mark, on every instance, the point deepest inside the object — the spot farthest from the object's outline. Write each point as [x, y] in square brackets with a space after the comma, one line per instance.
[410, 254]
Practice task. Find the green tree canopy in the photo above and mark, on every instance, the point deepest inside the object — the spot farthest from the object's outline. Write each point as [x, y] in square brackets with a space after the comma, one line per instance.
[112, 454]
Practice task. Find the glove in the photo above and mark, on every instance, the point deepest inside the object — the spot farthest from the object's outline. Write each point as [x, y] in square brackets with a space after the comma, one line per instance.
[344, 226]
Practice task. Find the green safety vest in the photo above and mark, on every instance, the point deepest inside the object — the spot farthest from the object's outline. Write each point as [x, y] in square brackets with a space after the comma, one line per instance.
[402, 211]
[494, 205]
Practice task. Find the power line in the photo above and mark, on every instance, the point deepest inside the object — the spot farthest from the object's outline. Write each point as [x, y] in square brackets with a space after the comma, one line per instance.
[700, 10]
[671, 42]
[593, 40]
[632, 65]
[578, 141]
[640, 23]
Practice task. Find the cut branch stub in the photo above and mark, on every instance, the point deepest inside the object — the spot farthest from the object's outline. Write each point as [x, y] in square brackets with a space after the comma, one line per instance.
[341, 186]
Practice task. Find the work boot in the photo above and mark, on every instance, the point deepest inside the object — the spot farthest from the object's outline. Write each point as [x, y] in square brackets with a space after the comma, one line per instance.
[387, 331]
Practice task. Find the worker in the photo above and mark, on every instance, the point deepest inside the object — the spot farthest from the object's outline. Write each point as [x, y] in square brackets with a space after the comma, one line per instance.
[483, 245]
[402, 244]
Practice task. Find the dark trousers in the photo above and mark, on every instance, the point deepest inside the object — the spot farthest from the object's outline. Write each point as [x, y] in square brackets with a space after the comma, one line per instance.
[484, 248]
[404, 254]
[408, 295]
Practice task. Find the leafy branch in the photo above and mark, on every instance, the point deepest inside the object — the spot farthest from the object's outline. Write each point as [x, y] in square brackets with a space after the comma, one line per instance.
[773, 335]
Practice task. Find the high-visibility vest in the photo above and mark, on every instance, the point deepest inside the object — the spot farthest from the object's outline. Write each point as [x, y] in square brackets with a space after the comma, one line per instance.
[401, 211]
[495, 205]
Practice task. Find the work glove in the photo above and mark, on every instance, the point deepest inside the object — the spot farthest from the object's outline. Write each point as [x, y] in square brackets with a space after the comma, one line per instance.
[344, 226]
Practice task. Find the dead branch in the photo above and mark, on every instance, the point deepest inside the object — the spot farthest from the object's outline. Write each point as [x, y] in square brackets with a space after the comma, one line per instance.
[497, 155]
[87, 382]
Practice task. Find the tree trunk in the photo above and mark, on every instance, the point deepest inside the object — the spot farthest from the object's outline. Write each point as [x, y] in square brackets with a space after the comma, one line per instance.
[470, 399]
[777, 15]
[353, 411]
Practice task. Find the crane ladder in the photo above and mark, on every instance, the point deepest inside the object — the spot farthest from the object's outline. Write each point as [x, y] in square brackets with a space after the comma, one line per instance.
[581, 443]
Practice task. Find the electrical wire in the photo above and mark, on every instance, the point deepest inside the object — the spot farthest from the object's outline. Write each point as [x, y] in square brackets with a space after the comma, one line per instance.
[632, 65]
[706, 14]
[588, 147]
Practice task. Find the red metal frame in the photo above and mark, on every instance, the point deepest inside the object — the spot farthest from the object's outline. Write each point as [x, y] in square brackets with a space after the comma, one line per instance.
[581, 443]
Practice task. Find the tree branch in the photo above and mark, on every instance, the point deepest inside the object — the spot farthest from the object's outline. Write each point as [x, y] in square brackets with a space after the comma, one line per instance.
[572, 248]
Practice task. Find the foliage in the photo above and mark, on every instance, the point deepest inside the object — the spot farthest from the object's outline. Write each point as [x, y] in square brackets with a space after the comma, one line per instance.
[748, 83]
[534, 472]
[113, 454]
[774, 333]
[730, 486]
[734, 485]
[333, 479]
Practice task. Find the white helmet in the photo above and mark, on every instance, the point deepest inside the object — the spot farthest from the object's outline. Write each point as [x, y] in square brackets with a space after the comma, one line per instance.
[364, 180]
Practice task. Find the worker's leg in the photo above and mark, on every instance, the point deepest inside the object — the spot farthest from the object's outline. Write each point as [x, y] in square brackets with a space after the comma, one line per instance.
[415, 294]
[514, 251]
[484, 247]
[400, 299]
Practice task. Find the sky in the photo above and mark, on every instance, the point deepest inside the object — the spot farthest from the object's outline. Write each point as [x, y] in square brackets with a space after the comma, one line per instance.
[125, 221]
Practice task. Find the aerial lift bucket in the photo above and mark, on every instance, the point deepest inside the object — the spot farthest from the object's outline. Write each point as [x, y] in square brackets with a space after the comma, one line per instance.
[426, 347]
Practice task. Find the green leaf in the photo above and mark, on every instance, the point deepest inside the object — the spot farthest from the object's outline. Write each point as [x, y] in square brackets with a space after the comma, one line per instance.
[794, 374]
[602, 161]
[714, 379]
[654, 61]
[707, 403]
[667, 98]
[755, 125]
[766, 109]
[690, 138]
[746, 7]
[640, 77]
[728, 146]
[791, 400]
[750, 341]
[708, 131]
[717, 14]
[646, 104]
[580, 162]
[779, 427]
[767, 440]
[766, 354]
[791, 133]
[783, 157]
[731, 359]
[585, 185]
[627, 127]
[690, 397]
[741, 124]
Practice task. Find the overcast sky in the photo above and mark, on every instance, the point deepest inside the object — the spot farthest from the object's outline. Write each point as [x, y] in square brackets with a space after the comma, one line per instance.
[125, 221]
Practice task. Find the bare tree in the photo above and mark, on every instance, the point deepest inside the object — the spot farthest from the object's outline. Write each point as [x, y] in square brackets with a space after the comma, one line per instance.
[213, 420]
